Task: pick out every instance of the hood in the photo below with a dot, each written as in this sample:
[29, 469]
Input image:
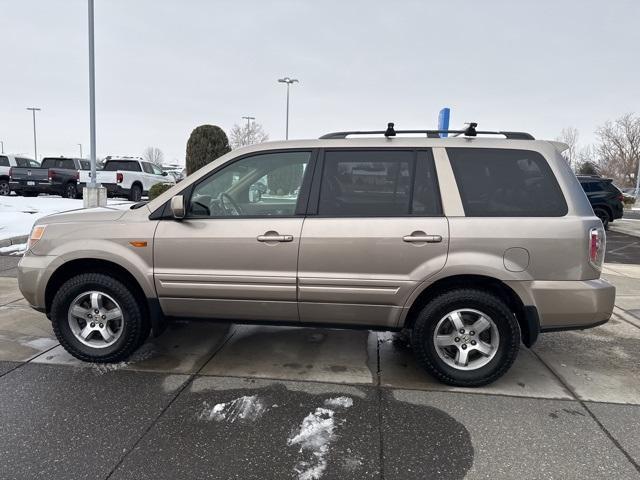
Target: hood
[100, 214]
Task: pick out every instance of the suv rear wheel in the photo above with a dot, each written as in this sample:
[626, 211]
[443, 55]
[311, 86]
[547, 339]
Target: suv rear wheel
[97, 319]
[603, 215]
[466, 337]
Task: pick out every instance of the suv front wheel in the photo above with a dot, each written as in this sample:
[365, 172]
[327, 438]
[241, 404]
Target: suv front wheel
[97, 319]
[466, 337]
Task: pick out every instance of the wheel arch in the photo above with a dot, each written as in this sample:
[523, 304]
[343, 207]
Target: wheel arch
[527, 318]
[151, 308]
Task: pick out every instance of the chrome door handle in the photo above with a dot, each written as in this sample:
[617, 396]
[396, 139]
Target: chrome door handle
[422, 238]
[275, 238]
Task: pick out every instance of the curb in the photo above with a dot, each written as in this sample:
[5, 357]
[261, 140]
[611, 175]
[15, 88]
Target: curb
[7, 242]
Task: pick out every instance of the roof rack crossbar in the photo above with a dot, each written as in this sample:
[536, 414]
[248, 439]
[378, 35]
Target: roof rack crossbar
[429, 133]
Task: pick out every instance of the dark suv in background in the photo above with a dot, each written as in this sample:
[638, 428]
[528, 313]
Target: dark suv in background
[605, 198]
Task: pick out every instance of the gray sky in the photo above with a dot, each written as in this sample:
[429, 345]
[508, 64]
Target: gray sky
[164, 67]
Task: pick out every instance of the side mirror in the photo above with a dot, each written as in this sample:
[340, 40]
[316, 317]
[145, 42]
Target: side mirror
[177, 207]
[164, 174]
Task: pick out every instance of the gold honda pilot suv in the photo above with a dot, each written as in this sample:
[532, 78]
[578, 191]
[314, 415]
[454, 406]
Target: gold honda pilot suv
[474, 243]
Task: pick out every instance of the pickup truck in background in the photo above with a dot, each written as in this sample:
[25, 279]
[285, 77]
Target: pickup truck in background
[6, 163]
[129, 177]
[55, 175]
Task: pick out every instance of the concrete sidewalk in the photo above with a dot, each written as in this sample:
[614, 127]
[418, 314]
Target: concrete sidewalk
[574, 398]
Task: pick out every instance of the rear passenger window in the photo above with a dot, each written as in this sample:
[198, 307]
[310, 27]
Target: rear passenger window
[4, 161]
[378, 183]
[506, 183]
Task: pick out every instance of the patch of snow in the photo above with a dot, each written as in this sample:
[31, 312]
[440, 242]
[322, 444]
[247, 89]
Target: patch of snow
[16, 249]
[42, 343]
[314, 437]
[248, 408]
[18, 214]
[344, 402]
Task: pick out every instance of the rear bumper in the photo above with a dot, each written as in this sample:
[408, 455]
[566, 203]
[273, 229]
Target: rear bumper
[115, 190]
[38, 186]
[569, 305]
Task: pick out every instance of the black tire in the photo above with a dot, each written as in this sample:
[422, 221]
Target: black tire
[423, 344]
[135, 326]
[5, 189]
[135, 193]
[604, 217]
[70, 191]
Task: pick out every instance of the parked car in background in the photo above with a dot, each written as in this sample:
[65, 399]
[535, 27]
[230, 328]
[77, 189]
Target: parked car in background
[174, 170]
[475, 245]
[6, 163]
[605, 198]
[630, 194]
[55, 175]
[131, 177]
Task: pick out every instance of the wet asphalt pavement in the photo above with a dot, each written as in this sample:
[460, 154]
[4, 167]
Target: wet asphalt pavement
[61, 422]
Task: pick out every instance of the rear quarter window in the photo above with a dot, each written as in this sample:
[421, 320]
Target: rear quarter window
[506, 183]
[4, 161]
[123, 165]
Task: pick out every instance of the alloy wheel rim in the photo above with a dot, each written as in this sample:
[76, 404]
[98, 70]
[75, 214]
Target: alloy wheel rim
[4, 188]
[466, 339]
[95, 319]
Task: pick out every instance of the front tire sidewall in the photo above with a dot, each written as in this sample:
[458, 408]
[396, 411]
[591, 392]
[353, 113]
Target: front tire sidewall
[131, 311]
[4, 188]
[508, 329]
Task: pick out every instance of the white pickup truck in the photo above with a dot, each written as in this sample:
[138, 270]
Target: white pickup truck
[6, 163]
[129, 177]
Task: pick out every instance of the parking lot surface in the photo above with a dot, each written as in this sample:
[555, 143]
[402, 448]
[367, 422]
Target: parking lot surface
[226, 401]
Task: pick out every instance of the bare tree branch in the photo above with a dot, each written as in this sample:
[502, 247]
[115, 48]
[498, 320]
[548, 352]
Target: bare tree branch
[153, 155]
[249, 134]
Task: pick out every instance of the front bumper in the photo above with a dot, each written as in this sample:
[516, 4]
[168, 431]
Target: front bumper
[568, 305]
[33, 275]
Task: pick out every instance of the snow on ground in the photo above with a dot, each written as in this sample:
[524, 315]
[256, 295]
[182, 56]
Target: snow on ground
[248, 408]
[315, 436]
[18, 214]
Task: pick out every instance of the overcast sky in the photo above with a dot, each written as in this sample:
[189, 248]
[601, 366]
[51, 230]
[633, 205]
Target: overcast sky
[165, 66]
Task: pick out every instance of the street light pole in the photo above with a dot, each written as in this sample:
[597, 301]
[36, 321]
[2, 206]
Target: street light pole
[2, 143]
[248, 119]
[80, 145]
[92, 102]
[35, 140]
[288, 81]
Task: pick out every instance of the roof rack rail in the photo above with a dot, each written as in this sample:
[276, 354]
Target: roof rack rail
[470, 131]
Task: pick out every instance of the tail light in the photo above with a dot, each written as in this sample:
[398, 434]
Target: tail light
[77, 175]
[621, 197]
[597, 245]
[51, 175]
[119, 177]
[10, 173]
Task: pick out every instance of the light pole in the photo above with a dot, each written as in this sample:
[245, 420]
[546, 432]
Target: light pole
[35, 141]
[2, 143]
[96, 195]
[80, 145]
[288, 81]
[248, 119]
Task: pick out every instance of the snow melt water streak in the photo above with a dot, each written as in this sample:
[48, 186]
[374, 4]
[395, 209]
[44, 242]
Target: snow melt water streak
[248, 408]
[315, 435]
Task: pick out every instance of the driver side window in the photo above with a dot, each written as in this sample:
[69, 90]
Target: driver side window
[261, 185]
